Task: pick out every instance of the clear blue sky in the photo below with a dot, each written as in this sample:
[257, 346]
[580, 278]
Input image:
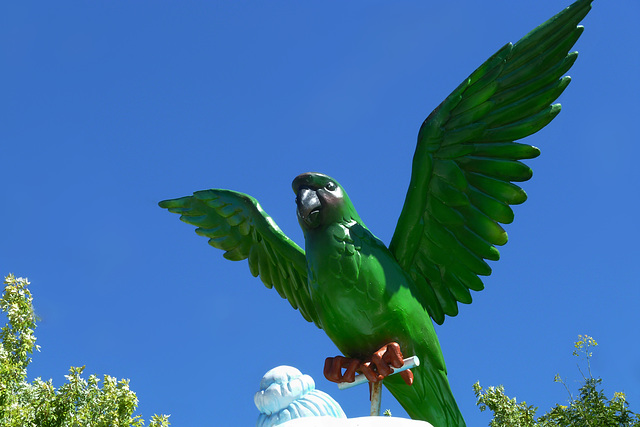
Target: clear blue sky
[110, 106]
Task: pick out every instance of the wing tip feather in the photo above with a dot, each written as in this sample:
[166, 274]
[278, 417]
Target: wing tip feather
[174, 203]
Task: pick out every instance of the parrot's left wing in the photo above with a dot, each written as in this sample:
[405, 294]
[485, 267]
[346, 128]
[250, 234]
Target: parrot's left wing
[466, 160]
[235, 223]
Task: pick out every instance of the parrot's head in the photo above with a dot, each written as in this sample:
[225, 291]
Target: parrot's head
[321, 201]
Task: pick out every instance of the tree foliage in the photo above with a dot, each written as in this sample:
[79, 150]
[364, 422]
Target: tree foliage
[79, 402]
[590, 408]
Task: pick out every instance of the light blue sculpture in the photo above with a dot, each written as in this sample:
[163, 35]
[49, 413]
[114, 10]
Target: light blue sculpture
[286, 394]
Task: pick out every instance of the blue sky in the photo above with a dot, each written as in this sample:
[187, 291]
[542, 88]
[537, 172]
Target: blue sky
[109, 107]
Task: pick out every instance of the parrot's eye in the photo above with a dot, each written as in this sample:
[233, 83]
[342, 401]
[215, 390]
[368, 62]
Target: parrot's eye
[331, 186]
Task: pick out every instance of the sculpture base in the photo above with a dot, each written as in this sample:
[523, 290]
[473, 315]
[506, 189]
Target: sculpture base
[355, 422]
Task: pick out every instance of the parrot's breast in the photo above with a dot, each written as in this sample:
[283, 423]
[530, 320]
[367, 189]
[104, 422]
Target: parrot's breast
[361, 294]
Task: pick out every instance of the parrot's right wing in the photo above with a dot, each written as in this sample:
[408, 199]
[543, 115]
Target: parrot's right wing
[235, 223]
[467, 160]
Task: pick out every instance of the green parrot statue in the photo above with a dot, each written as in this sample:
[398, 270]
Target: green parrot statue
[367, 296]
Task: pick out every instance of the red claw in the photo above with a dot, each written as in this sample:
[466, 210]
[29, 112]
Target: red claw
[333, 369]
[378, 368]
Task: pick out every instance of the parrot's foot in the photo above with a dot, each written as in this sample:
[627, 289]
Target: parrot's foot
[333, 369]
[375, 369]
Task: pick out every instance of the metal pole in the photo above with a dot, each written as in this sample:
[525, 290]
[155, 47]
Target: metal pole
[376, 398]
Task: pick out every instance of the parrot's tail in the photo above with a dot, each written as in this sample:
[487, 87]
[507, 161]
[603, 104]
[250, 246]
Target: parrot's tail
[429, 398]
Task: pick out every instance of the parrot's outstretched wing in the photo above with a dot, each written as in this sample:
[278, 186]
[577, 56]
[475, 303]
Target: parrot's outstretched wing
[235, 223]
[465, 162]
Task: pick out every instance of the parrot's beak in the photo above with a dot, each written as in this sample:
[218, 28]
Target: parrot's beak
[308, 207]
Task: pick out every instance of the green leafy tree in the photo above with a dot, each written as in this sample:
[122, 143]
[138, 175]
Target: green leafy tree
[79, 402]
[590, 408]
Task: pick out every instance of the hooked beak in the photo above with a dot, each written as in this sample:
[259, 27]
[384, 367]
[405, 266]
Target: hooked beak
[308, 207]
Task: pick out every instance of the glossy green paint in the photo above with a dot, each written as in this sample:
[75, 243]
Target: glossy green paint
[364, 299]
[365, 295]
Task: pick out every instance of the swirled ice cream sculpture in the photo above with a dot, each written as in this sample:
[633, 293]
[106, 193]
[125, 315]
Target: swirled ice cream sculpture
[286, 394]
